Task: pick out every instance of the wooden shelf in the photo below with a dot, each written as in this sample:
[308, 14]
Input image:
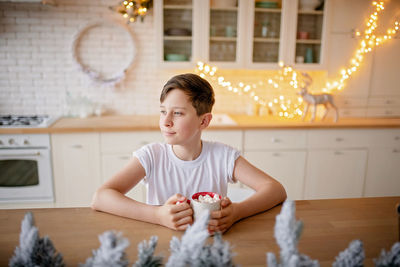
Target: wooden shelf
[268, 10]
[311, 12]
[222, 39]
[184, 7]
[266, 40]
[177, 38]
[308, 41]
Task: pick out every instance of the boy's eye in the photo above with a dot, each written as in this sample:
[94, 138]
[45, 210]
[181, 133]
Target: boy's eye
[163, 112]
[178, 113]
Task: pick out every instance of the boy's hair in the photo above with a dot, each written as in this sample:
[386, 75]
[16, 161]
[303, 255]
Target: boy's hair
[199, 91]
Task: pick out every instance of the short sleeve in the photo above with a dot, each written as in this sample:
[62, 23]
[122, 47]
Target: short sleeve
[233, 155]
[146, 158]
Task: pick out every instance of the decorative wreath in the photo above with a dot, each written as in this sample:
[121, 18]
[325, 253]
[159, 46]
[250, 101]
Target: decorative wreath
[95, 76]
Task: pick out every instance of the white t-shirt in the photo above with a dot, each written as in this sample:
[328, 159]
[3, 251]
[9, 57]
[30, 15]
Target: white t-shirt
[167, 175]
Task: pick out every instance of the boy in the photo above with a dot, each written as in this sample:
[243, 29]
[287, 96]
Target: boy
[184, 165]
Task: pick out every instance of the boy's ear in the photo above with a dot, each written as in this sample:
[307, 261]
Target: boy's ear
[206, 120]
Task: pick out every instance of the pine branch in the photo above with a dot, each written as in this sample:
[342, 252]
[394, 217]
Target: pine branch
[353, 256]
[110, 253]
[33, 250]
[287, 234]
[390, 258]
[187, 251]
[146, 256]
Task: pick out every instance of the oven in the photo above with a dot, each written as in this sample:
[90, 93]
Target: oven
[25, 165]
[25, 168]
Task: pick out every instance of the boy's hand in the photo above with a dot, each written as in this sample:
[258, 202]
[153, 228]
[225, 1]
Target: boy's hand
[177, 216]
[222, 220]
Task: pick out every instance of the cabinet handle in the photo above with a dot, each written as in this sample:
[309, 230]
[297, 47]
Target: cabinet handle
[397, 138]
[396, 150]
[276, 154]
[388, 102]
[339, 139]
[338, 153]
[76, 146]
[275, 140]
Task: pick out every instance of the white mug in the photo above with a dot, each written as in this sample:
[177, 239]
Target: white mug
[200, 207]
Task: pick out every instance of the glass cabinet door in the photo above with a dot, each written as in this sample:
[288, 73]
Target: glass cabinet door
[310, 20]
[223, 30]
[178, 29]
[266, 33]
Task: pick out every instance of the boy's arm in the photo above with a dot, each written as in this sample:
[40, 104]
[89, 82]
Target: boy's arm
[268, 193]
[110, 197]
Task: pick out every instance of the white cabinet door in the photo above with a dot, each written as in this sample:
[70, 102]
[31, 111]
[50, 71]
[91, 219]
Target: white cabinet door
[76, 167]
[285, 166]
[335, 173]
[232, 138]
[383, 174]
[113, 164]
[385, 76]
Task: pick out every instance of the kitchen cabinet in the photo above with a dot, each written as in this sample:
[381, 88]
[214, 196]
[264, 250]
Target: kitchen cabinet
[177, 32]
[335, 173]
[116, 152]
[281, 154]
[382, 178]
[76, 168]
[336, 163]
[237, 34]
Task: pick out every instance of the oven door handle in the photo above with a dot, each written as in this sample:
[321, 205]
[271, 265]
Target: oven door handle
[21, 155]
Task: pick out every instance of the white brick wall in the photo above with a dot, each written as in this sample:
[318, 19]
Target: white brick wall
[37, 70]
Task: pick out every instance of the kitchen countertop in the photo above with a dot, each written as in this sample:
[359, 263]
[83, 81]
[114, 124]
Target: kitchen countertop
[119, 123]
[329, 227]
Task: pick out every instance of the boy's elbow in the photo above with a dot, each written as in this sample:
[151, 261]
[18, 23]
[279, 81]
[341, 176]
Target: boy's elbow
[95, 200]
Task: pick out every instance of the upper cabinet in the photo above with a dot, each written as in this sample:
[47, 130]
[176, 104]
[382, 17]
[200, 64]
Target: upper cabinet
[241, 33]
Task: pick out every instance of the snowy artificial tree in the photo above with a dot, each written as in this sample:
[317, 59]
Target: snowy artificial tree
[287, 234]
[111, 251]
[146, 256]
[353, 256]
[33, 250]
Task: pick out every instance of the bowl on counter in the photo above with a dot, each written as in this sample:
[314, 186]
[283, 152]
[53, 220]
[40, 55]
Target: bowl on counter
[176, 57]
[178, 32]
[267, 4]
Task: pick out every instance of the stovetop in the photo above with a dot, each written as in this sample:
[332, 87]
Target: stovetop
[26, 121]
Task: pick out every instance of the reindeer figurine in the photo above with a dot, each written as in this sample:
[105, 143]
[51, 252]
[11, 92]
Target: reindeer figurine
[317, 99]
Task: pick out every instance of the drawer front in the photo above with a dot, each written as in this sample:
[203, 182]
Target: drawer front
[384, 101]
[274, 139]
[352, 112]
[383, 112]
[127, 142]
[337, 138]
[385, 138]
[351, 102]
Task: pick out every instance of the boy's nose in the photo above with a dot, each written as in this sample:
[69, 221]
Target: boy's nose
[168, 121]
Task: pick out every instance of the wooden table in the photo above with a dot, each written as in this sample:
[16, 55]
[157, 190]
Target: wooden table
[329, 226]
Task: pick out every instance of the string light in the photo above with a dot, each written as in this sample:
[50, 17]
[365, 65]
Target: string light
[288, 77]
[132, 9]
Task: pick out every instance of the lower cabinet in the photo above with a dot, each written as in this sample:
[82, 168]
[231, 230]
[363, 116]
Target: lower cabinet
[383, 174]
[76, 168]
[335, 173]
[311, 164]
[285, 166]
[111, 164]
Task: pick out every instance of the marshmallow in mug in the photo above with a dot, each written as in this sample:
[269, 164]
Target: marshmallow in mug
[203, 201]
[208, 199]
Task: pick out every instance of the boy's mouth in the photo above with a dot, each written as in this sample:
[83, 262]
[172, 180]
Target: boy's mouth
[169, 133]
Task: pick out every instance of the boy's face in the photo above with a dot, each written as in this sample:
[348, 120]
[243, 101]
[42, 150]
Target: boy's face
[179, 122]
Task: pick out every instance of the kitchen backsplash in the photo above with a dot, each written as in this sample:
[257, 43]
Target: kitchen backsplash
[38, 74]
